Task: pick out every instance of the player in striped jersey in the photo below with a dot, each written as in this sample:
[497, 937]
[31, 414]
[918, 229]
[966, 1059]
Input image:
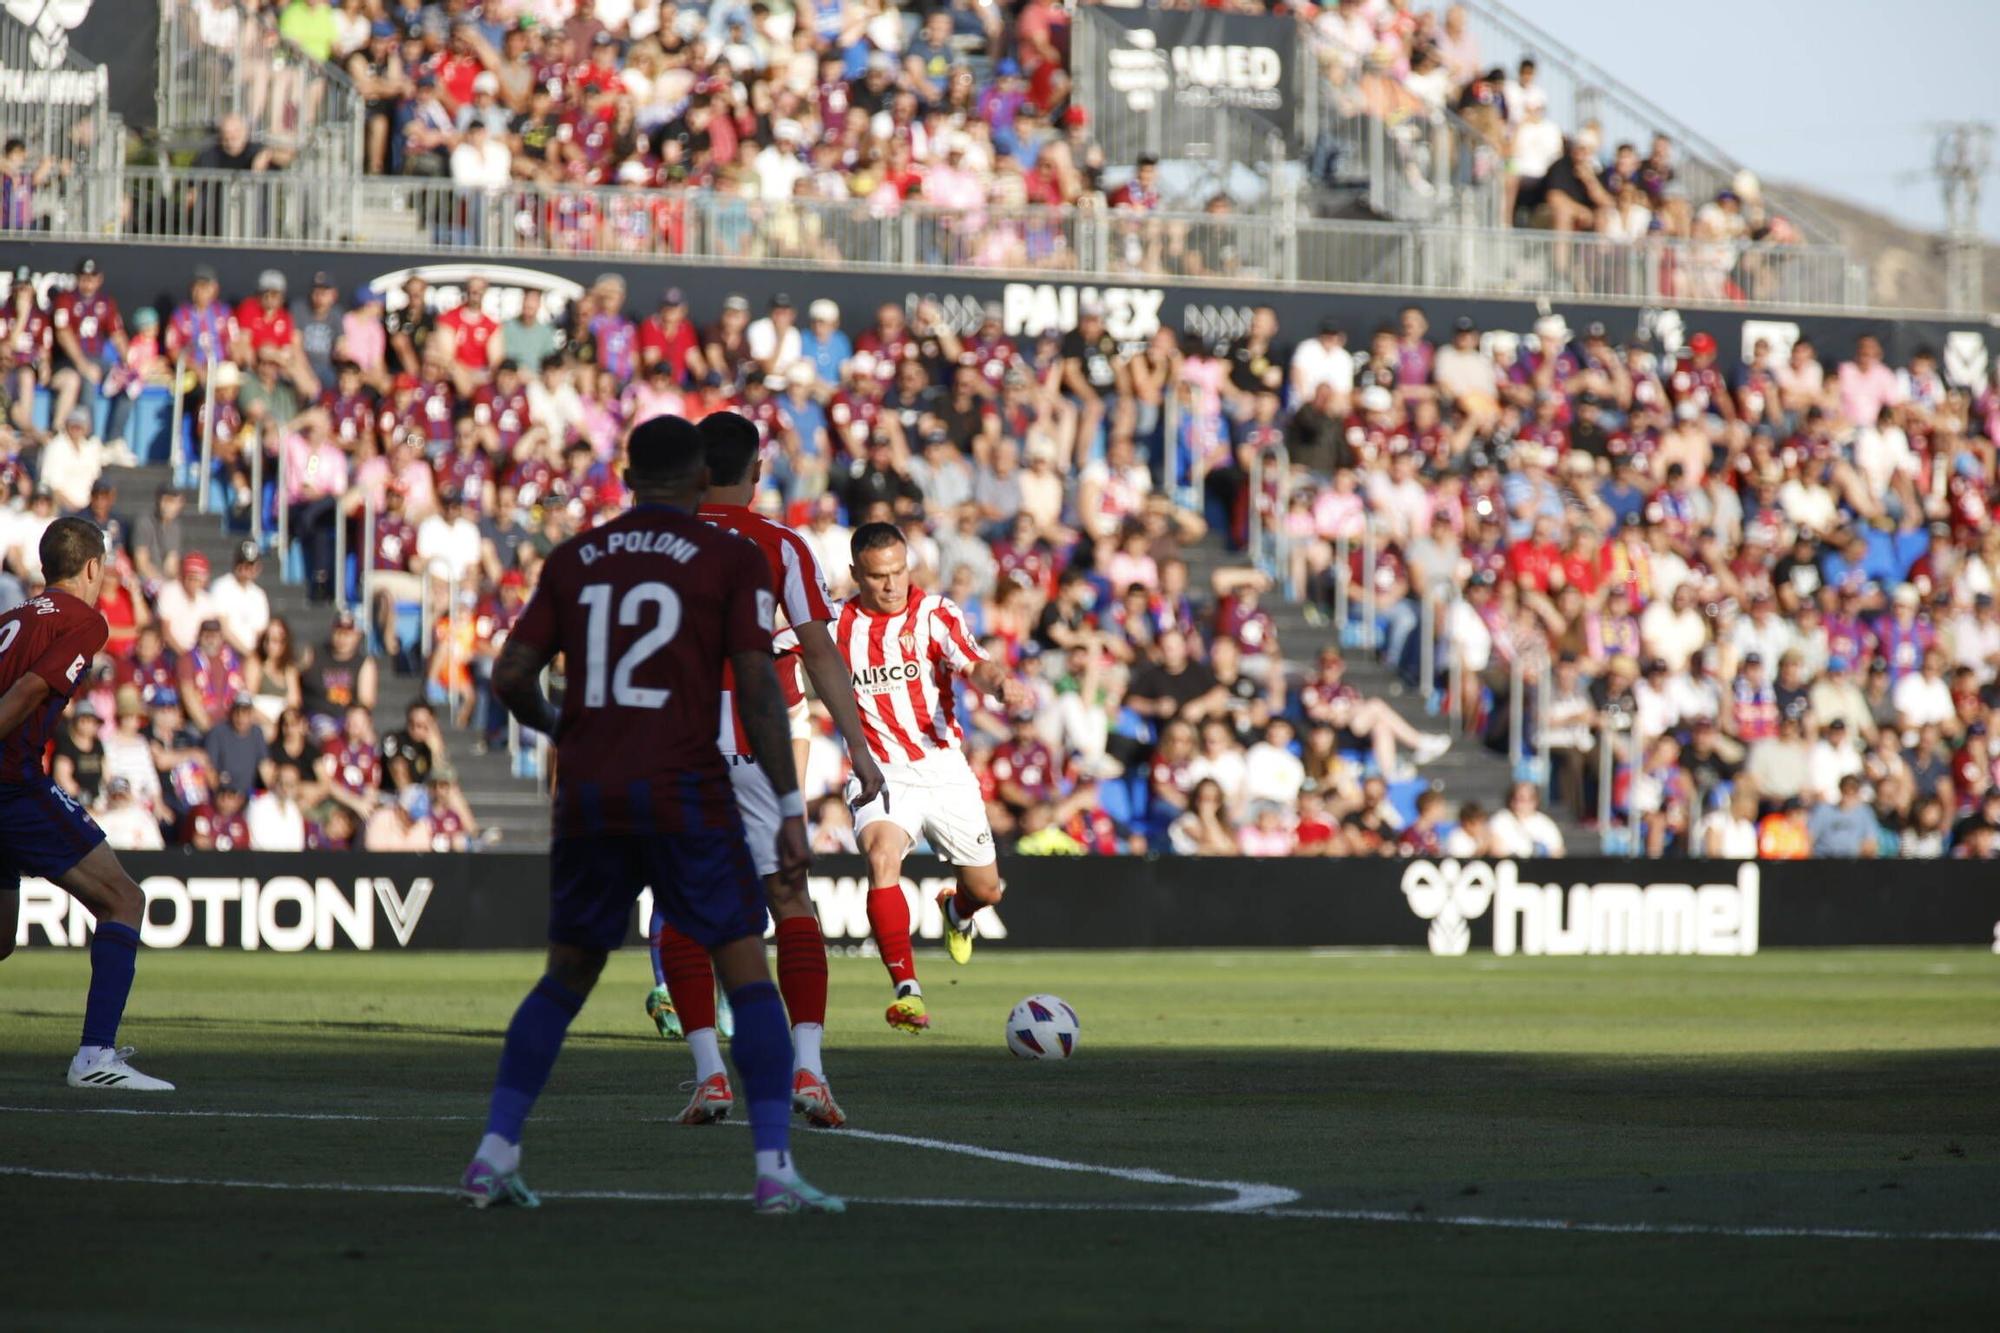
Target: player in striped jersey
[732, 445]
[905, 649]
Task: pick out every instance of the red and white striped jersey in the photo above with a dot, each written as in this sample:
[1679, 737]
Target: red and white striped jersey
[902, 666]
[800, 588]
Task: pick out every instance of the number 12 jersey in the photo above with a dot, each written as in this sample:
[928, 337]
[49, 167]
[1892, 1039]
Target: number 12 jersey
[646, 611]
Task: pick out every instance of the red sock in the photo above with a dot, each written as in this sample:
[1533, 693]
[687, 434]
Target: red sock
[802, 969]
[690, 979]
[889, 919]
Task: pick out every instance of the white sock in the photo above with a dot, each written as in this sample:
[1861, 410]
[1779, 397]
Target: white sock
[88, 1054]
[707, 1054]
[960, 923]
[905, 989]
[777, 1164]
[499, 1154]
[805, 1048]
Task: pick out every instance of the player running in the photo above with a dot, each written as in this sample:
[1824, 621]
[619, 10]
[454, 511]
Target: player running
[646, 611]
[903, 647]
[46, 645]
[796, 582]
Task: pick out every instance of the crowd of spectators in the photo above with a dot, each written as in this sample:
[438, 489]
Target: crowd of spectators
[1774, 573]
[1407, 67]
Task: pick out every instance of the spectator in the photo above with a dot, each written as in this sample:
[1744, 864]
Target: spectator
[1844, 827]
[1782, 835]
[236, 747]
[1206, 828]
[400, 825]
[239, 603]
[277, 821]
[157, 541]
[271, 674]
[72, 460]
[1729, 831]
[78, 762]
[1522, 829]
[233, 149]
[223, 824]
[184, 604]
[340, 675]
[211, 676]
[127, 825]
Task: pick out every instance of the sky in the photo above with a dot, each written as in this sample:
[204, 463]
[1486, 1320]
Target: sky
[1837, 94]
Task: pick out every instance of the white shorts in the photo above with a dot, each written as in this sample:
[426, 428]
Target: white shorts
[758, 805]
[936, 799]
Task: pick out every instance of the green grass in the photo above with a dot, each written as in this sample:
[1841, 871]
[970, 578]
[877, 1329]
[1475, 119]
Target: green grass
[1793, 1090]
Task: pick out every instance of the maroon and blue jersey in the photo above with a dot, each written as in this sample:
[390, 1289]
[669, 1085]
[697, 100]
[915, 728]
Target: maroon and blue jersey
[467, 474]
[507, 413]
[53, 636]
[646, 611]
[24, 335]
[93, 319]
[351, 413]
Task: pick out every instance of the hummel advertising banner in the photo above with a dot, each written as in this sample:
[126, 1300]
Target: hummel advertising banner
[294, 903]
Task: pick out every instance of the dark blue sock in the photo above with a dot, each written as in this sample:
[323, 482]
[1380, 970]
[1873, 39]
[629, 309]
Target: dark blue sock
[533, 1040]
[762, 1050]
[653, 946]
[114, 952]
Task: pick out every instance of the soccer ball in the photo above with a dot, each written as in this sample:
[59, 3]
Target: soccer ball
[1042, 1027]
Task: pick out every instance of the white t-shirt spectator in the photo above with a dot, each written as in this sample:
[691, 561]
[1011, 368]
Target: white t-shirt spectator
[242, 608]
[1537, 145]
[129, 828]
[766, 344]
[181, 615]
[1532, 835]
[454, 544]
[1229, 771]
[1738, 836]
[1272, 773]
[1315, 363]
[1673, 636]
[477, 167]
[1469, 637]
[276, 825]
[71, 467]
[1919, 701]
[1830, 763]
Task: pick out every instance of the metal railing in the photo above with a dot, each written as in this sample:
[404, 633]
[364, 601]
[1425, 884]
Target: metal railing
[1274, 556]
[59, 105]
[401, 214]
[224, 62]
[1417, 163]
[1580, 92]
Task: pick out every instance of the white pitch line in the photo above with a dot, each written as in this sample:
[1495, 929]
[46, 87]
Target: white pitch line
[223, 1115]
[1249, 1197]
[1357, 1215]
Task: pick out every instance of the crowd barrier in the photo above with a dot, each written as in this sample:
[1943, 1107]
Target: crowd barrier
[294, 903]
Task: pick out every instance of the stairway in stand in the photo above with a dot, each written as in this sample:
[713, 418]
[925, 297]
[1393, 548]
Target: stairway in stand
[1468, 771]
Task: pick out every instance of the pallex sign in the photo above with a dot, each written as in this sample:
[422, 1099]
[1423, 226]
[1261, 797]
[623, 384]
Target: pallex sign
[1605, 917]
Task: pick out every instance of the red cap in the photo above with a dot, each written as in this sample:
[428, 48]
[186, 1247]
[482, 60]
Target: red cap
[195, 561]
[1076, 115]
[1702, 344]
[513, 578]
[408, 381]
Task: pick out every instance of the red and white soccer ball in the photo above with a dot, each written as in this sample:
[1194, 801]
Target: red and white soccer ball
[1042, 1027]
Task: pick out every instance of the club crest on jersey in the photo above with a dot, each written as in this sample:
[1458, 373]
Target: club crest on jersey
[908, 643]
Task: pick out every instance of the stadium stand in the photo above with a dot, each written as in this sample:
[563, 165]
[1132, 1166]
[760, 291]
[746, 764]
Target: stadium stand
[1291, 560]
[1691, 596]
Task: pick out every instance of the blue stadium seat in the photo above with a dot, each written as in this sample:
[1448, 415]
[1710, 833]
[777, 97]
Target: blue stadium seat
[1403, 797]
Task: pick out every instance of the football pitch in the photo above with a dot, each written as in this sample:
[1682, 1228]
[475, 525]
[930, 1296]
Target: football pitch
[1269, 1140]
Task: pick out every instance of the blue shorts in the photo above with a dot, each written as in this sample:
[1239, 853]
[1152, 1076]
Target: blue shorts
[43, 832]
[703, 882]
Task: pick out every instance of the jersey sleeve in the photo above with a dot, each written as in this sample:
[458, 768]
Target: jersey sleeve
[952, 637]
[749, 611]
[806, 595]
[536, 626]
[68, 655]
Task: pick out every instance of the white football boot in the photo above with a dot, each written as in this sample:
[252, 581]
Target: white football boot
[104, 1067]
